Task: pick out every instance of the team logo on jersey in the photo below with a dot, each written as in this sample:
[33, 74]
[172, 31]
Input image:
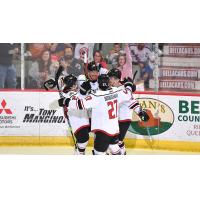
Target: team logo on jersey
[161, 118]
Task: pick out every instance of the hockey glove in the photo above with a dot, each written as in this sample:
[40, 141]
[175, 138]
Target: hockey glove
[64, 102]
[49, 84]
[143, 115]
[128, 83]
[85, 87]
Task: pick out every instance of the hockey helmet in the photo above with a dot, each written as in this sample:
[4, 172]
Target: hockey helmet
[114, 72]
[103, 81]
[92, 66]
[69, 81]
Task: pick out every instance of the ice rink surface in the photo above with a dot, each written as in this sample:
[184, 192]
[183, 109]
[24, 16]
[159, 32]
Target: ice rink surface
[66, 150]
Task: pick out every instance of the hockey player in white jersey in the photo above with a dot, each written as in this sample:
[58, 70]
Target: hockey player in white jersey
[125, 109]
[78, 118]
[92, 73]
[91, 84]
[104, 103]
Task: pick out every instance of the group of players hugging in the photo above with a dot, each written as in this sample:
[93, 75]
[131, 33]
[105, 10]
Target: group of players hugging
[101, 103]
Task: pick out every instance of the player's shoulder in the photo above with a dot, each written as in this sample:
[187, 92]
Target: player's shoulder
[103, 70]
[70, 94]
[100, 93]
[121, 87]
[81, 77]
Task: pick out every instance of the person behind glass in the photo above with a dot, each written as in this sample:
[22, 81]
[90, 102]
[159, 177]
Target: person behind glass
[113, 54]
[146, 74]
[7, 69]
[58, 49]
[35, 50]
[142, 58]
[71, 65]
[98, 58]
[84, 48]
[124, 63]
[42, 70]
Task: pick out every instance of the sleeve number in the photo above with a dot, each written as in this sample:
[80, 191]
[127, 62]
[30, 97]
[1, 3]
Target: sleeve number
[112, 112]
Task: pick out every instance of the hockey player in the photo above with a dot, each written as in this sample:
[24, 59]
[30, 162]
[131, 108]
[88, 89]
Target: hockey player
[85, 86]
[87, 82]
[78, 118]
[125, 109]
[104, 103]
[93, 72]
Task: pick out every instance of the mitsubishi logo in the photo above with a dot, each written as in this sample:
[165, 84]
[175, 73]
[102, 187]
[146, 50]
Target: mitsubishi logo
[7, 110]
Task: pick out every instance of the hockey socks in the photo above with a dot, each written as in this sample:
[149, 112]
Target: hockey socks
[81, 148]
[122, 147]
[95, 152]
[114, 149]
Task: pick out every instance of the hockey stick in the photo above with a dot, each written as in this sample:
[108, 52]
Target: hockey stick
[85, 61]
[58, 73]
[134, 75]
[60, 69]
[150, 138]
[147, 128]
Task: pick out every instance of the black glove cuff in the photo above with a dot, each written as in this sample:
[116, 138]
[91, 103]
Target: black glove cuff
[143, 116]
[66, 102]
[83, 91]
[128, 85]
[60, 102]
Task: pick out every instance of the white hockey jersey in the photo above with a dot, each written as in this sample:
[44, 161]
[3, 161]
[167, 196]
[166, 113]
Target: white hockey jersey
[78, 118]
[125, 113]
[95, 85]
[105, 109]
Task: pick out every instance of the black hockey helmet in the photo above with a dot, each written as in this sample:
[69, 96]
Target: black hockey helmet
[103, 81]
[114, 72]
[92, 66]
[69, 81]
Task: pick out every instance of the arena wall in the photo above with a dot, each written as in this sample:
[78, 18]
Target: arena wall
[33, 118]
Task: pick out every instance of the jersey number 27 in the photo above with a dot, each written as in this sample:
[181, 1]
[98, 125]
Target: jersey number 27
[112, 112]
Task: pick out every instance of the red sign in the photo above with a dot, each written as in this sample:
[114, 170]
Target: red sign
[179, 84]
[182, 50]
[180, 73]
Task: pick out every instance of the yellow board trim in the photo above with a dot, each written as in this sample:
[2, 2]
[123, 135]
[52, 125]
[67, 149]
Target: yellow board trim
[130, 143]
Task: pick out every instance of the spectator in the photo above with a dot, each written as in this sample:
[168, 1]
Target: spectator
[146, 74]
[35, 50]
[98, 58]
[142, 57]
[7, 69]
[84, 48]
[124, 63]
[114, 54]
[71, 65]
[42, 70]
[58, 49]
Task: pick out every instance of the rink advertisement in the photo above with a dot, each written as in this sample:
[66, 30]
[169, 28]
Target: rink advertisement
[183, 85]
[172, 117]
[182, 50]
[182, 73]
[28, 114]
[174, 120]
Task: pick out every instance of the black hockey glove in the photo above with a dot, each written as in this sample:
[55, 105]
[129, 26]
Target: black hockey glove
[49, 84]
[143, 115]
[63, 102]
[85, 87]
[128, 83]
